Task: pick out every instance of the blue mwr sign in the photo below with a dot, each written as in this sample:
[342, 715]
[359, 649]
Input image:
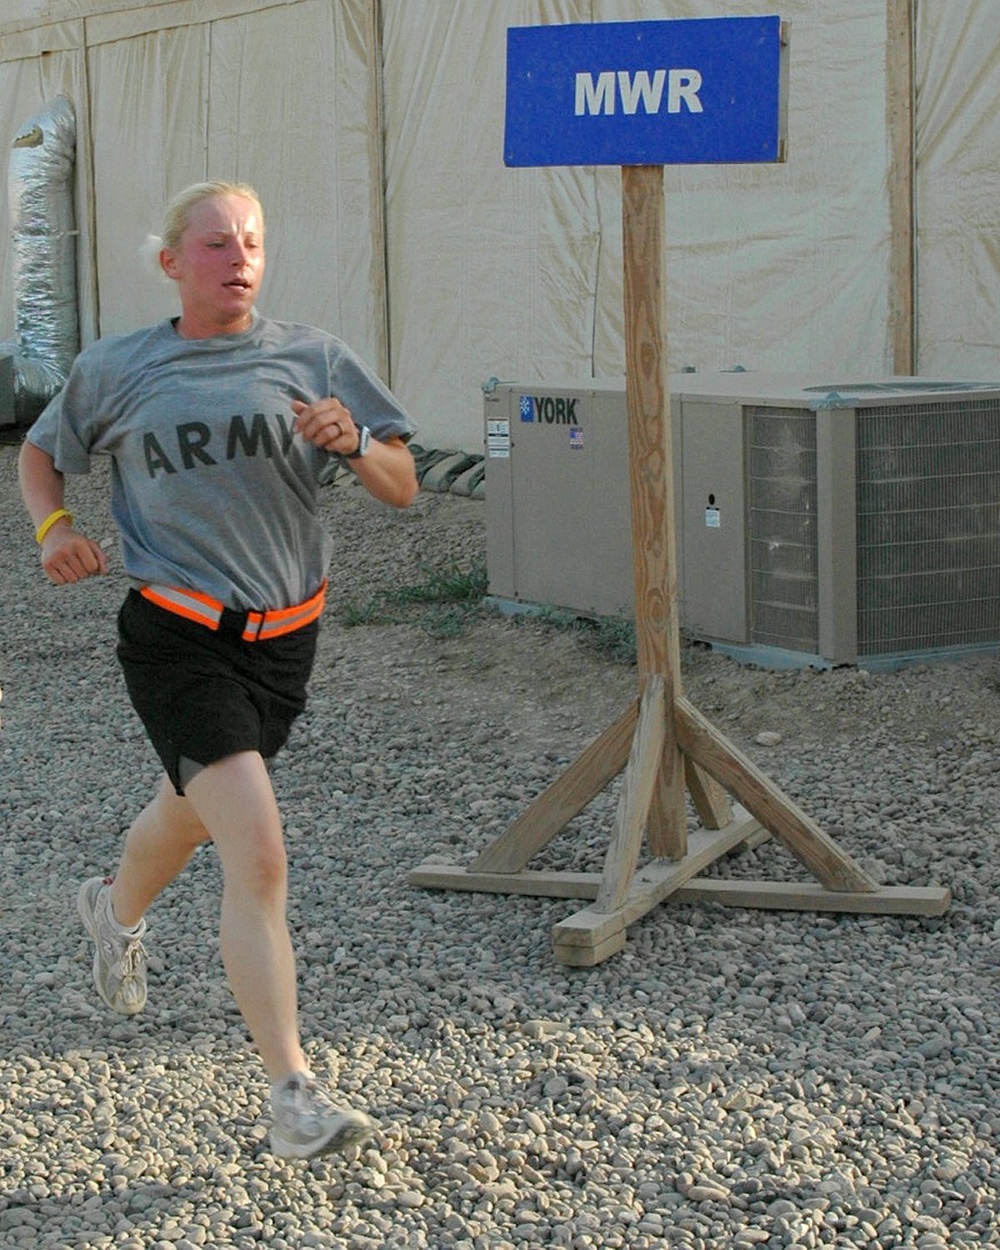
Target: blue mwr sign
[698, 91]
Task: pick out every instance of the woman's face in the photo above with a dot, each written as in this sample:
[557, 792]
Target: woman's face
[218, 266]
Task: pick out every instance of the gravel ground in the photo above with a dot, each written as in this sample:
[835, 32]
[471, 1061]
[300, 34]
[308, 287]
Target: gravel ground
[733, 1078]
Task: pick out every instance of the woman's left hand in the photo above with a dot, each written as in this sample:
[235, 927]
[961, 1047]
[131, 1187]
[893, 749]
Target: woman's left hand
[386, 470]
[328, 424]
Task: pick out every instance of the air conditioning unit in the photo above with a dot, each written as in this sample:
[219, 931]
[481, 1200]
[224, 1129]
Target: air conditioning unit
[816, 521]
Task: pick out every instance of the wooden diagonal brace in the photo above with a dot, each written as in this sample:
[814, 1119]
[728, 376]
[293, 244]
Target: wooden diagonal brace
[644, 765]
[700, 740]
[565, 798]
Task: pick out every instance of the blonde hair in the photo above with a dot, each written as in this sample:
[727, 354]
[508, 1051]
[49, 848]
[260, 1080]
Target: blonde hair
[178, 212]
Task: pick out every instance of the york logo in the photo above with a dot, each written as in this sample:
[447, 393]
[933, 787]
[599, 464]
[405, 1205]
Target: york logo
[549, 409]
[600, 95]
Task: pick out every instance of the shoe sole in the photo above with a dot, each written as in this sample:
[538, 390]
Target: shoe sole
[352, 1133]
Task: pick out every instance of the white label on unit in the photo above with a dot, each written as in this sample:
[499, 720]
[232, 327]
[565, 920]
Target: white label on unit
[713, 520]
[498, 439]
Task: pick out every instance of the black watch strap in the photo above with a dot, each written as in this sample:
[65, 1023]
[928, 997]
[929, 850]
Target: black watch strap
[364, 438]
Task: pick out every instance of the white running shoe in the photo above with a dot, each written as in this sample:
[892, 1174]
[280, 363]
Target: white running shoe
[305, 1122]
[119, 958]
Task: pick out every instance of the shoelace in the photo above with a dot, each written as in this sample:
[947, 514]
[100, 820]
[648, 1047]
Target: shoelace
[129, 955]
[131, 958]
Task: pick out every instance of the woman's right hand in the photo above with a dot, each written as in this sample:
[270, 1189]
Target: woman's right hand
[69, 556]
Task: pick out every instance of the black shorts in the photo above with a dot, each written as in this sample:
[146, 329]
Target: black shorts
[204, 694]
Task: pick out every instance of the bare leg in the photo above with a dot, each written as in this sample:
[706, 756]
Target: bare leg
[159, 844]
[234, 801]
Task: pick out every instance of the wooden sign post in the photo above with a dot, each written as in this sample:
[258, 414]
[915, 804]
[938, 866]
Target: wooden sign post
[702, 90]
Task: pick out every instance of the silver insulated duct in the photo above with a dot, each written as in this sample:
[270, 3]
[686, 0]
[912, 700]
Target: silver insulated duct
[35, 364]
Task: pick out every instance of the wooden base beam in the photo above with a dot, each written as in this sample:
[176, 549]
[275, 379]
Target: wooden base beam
[887, 900]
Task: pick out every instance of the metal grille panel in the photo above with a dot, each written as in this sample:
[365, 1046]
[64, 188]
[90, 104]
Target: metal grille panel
[928, 517]
[783, 544]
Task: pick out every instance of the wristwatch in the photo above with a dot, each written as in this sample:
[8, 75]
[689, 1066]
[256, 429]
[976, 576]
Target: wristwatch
[364, 439]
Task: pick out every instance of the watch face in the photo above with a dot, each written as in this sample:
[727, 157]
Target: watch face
[364, 438]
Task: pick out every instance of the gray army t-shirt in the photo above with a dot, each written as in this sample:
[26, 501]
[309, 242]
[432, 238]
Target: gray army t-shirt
[211, 489]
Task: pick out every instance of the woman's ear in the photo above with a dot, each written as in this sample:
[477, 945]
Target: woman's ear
[168, 262]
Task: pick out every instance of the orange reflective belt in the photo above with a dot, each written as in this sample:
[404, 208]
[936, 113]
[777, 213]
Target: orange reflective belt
[257, 627]
[263, 625]
[190, 604]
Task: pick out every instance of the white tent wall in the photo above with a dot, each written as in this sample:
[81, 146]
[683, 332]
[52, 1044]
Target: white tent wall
[490, 270]
[277, 97]
[148, 104]
[516, 273]
[958, 188]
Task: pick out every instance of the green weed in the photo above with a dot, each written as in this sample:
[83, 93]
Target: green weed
[451, 595]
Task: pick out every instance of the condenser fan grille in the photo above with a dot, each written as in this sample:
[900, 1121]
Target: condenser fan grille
[928, 526]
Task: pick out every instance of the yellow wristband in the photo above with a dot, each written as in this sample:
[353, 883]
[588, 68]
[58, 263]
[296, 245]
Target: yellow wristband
[49, 521]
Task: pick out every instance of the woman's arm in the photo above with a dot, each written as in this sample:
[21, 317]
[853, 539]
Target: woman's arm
[67, 555]
[387, 471]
